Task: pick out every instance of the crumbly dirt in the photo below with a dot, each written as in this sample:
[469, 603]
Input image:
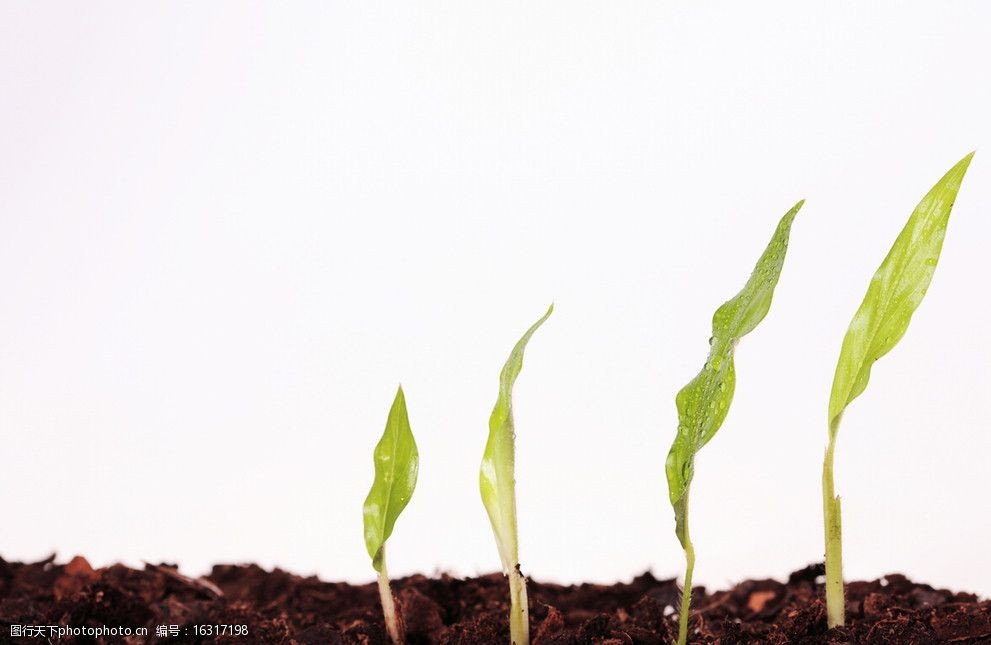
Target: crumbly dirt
[278, 607]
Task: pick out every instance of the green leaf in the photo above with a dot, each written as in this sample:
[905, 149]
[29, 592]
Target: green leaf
[497, 479]
[396, 465]
[895, 292]
[704, 402]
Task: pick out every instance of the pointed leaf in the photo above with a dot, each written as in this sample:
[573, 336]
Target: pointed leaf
[396, 465]
[704, 402]
[895, 291]
[497, 479]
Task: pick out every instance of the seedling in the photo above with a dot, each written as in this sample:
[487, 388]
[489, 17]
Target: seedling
[497, 481]
[396, 465]
[704, 402]
[895, 291]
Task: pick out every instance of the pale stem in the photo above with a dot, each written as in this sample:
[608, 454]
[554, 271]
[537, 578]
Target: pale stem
[389, 604]
[519, 611]
[833, 524]
[686, 589]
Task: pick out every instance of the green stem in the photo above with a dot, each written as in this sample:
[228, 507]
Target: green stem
[686, 595]
[389, 604]
[519, 611]
[686, 589]
[833, 524]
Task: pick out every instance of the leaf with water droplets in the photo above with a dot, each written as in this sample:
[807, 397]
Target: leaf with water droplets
[704, 402]
[396, 464]
[895, 291]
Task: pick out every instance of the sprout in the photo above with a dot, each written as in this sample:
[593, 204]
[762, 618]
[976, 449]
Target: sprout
[396, 464]
[894, 293]
[703, 403]
[497, 481]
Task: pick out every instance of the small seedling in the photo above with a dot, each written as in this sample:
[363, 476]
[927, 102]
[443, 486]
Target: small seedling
[396, 465]
[895, 291]
[704, 402]
[497, 481]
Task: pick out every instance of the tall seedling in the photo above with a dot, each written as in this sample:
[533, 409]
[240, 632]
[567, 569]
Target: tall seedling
[396, 465]
[894, 293]
[497, 481]
[704, 402]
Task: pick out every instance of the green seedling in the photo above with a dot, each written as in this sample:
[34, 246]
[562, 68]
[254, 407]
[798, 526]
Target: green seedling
[895, 291]
[704, 402]
[497, 481]
[396, 465]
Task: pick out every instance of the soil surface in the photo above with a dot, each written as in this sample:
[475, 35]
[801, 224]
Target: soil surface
[278, 607]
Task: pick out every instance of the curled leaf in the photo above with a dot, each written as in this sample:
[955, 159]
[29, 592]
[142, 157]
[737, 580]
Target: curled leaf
[704, 402]
[497, 480]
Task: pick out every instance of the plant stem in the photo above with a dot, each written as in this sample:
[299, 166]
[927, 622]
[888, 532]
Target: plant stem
[832, 521]
[389, 604]
[519, 611]
[686, 595]
[686, 589]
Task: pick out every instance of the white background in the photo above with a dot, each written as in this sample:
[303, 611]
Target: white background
[228, 230]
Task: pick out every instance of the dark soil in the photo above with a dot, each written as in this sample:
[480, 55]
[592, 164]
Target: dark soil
[278, 607]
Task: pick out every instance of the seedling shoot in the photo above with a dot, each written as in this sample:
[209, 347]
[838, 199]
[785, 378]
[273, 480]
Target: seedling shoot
[703, 403]
[396, 465]
[497, 482]
[895, 291]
